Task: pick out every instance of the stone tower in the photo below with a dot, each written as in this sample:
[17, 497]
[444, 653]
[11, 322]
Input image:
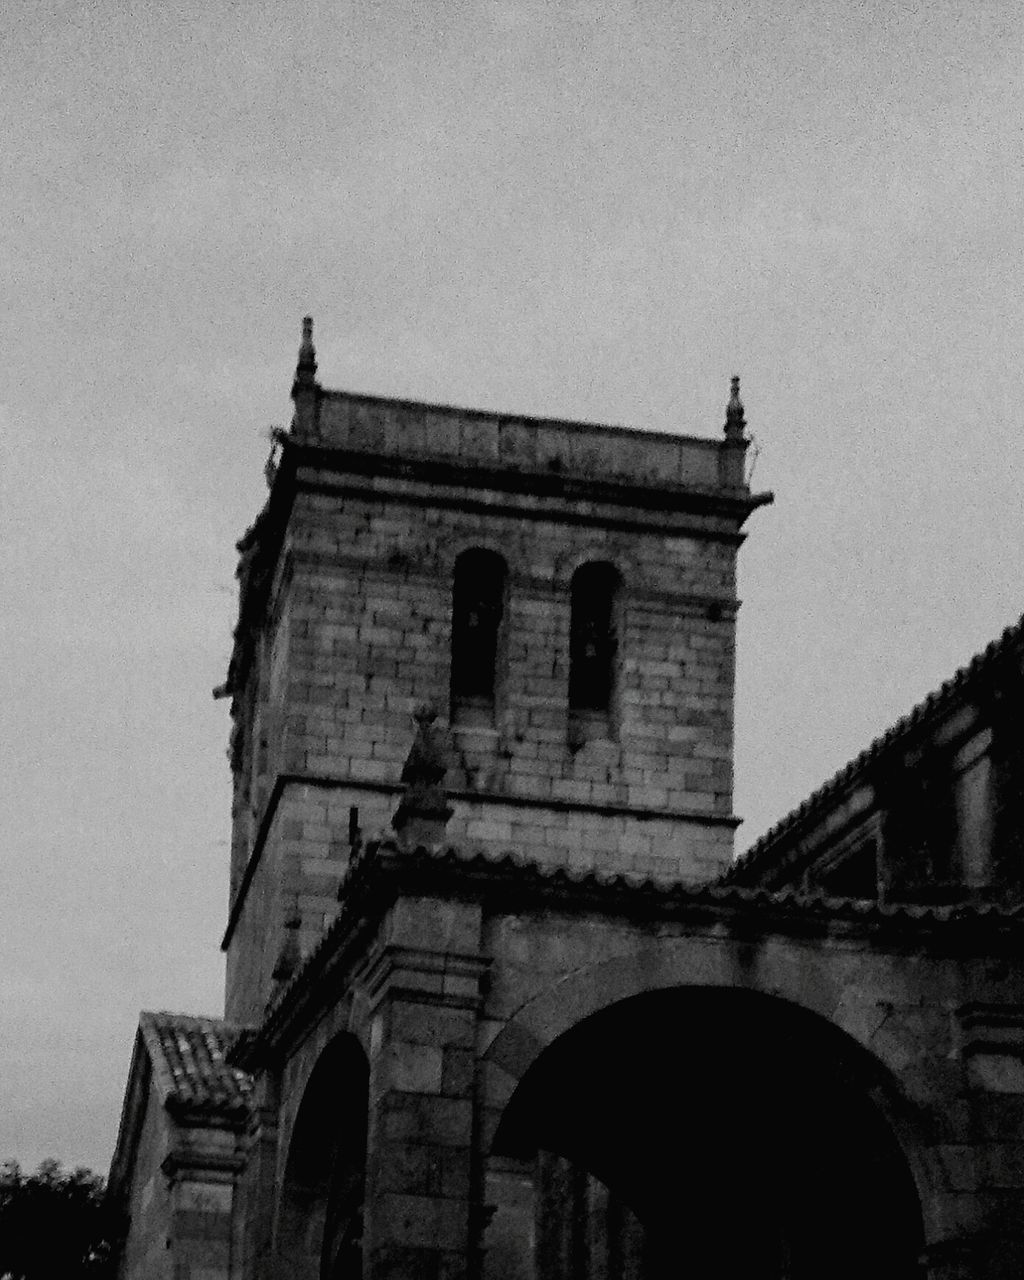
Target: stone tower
[555, 599]
[493, 1014]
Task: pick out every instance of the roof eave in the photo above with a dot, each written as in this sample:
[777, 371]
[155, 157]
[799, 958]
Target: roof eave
[133, 1115]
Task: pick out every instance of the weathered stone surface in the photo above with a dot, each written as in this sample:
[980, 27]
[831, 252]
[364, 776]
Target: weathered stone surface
[537, 1036]
[346, 627]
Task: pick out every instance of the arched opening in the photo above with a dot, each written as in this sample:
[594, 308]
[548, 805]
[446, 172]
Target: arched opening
[593, 653]
[705, 1134]
[478, 608]
[319, 1225]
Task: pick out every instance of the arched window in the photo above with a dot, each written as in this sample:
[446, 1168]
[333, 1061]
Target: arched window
[478, 606]
[593, 652]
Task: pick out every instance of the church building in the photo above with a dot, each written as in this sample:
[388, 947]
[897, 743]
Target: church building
[500, 1005]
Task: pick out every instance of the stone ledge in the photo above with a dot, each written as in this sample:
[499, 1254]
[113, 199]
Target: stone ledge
[641, 814]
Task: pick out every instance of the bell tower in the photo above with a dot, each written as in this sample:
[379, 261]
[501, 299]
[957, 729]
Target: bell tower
[551, 603]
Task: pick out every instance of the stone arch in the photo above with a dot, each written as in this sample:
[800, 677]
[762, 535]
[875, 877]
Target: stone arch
[802, 976]
[681, 1112]
[790, 975]
[318, 1223]
[629, 569]
[451, 551]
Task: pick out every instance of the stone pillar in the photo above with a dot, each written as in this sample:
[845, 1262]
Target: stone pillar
[984, 1228]
[423, 1213]
[257, 1192]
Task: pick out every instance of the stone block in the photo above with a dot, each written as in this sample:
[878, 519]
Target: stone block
[457, 1072]
[412, 1169]
[430, 1024]
[1002, 1166]
[412, 1068]
[960, 1167]
[996, 1072]
[421, 1119]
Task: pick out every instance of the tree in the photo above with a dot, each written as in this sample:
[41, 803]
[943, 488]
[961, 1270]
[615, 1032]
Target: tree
[55, 1224]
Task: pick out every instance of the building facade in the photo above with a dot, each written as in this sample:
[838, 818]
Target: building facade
[498, 1002]
[932, 812]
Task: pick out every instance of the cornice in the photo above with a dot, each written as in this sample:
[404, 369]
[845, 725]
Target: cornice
[283, 780]
[383, 872]
[423, 477]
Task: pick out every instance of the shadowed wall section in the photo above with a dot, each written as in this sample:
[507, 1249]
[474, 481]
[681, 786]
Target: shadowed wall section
[738, 1131]
[319, 1226]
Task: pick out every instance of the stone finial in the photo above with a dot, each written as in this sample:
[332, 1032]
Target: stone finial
[734, 420]
[307, 352]
[423, 812]
[427, 761]
[290, 956]
[304, 390]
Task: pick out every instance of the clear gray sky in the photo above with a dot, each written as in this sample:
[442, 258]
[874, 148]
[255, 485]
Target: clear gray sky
[596, 210]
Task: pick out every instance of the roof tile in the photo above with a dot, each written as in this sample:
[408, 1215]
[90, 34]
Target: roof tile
[189, 1061]
[936, 703]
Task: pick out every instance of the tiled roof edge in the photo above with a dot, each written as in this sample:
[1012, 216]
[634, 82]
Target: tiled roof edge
[162, 1074]
[936, 703]
[799, 905]
[713, 893]
[190, 1100]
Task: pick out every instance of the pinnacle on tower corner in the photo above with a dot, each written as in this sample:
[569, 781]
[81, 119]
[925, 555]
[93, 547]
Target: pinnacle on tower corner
[734, 420]
[307, 352]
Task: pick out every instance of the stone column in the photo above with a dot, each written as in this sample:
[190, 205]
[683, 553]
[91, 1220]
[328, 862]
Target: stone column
[257, 1192]
[423, 1211]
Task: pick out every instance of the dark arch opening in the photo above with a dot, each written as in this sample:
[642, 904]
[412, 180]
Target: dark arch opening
[319, 1226]
[712, 1134]
[478, 609]
[593, 652]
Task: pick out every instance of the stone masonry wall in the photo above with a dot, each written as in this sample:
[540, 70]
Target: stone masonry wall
[202, 1223]
[300, 864]
[360, 634]
[370, 635]
[946, 1025]
[457, 1004]
[388, 427]
[146, 1255]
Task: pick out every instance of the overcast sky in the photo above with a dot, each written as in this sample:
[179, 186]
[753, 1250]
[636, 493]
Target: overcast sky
[594, 210]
